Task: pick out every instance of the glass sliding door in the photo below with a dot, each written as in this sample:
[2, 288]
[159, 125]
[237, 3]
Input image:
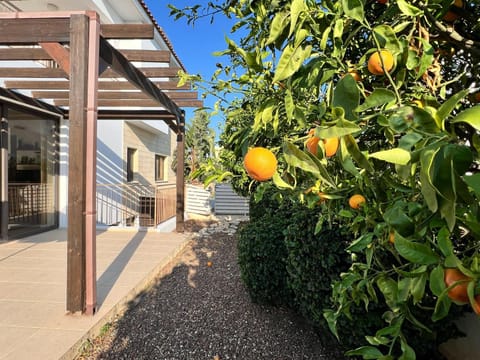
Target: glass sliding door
[32, 173]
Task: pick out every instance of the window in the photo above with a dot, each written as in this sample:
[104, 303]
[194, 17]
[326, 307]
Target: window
[131, 163]
[159, 167]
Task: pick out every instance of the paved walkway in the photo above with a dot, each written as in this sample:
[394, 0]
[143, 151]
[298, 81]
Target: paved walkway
[33, 321]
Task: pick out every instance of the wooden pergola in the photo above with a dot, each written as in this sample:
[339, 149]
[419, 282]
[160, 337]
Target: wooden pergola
[89, 80]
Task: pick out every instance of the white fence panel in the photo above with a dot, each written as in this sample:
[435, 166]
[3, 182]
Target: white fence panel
[227, 202]
[198, 200]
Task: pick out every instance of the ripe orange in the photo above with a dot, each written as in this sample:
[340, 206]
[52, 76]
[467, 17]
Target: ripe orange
[260, 163]
[209, 263]
[312, 145]
[451, 16]
[375, 64]
[459, 292]
[391, 237]
[331, 146]
[356, 201]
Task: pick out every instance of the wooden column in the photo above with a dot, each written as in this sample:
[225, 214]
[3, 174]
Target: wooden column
[181, 174]
[76, 243]
[4, 174]
[91, 166]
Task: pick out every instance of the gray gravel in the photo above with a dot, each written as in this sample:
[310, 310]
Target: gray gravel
[201, 310]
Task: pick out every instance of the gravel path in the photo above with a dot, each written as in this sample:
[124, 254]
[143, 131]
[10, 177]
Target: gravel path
[201, 310]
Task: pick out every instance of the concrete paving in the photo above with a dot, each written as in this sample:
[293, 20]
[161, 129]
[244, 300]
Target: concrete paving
[33, 320]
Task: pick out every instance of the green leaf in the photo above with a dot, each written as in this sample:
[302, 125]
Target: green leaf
[361, 243]
[474, 182]
[295, 9]
[447, 107]
[346, 96]
[387, 38]
[290, 61]
[444, 242]
[418, 288]
[407, 352]
[426, 58]
[355, 152]
[415, 252]
[396, 217]
[408, 9]
[367, 352]
[277, 26]
[341, 129]
[354, 9]
[442, 307]
[299, 159]
[377, 98]
[395, 156]
[329, 315]
[389, 289]
[279, 182]
[470, 116]
[289, 104]
[437, 283]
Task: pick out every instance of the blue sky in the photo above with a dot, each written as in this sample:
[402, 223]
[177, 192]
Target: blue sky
[194, 44]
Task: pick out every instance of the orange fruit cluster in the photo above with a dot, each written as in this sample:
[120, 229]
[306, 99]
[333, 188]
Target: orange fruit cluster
[260, 163]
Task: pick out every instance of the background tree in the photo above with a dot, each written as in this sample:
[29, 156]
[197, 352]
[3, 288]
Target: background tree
[408, 137]
[199, 143]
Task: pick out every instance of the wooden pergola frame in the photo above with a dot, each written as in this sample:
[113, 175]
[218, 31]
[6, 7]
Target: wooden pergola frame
[90, 80]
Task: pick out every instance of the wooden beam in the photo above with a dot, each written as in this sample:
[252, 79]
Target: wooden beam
[104, 95]
[29, 53]
[147, 55]
[76, 274]
[127, 31]
[32, 73]
[122, 66]
[137, 103]
[58, 53]
[160, 72]
[102, 85]
[180, 181]
[34, 30]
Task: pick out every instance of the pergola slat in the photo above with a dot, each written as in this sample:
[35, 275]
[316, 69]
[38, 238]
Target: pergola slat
[41, 72]
[29, 53]
[127, 31]
[15, 31]
[191, 95]
[136, 103]
[102, 85]
[121, 66]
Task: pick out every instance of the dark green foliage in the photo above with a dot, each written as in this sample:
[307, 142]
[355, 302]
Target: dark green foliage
[262, 255]
[283, 262]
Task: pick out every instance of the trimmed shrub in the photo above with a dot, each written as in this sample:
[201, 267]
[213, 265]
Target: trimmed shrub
[261, 257]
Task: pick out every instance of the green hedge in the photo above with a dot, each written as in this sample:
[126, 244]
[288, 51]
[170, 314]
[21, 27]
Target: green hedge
[262, 255]
[283, 262]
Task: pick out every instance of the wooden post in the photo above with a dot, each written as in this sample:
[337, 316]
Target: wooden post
[181, 174]
[91, 167]
[4, 174]
[76, 274]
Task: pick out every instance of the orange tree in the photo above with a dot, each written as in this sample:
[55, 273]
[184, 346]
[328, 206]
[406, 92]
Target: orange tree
[408, 139]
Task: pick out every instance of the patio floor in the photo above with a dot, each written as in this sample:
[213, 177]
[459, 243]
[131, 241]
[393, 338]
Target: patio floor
[33, 321]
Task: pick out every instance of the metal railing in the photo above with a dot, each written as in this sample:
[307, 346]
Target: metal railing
[134, 204]
[28, 203]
